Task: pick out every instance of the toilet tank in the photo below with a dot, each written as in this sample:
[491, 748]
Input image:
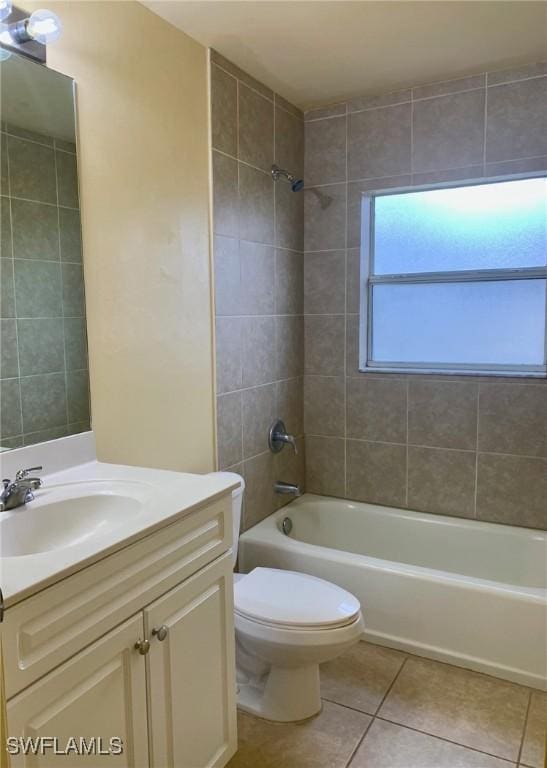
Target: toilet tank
[237, 503]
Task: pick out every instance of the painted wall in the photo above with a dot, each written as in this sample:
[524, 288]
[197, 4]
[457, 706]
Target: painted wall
[144, 169]
[465, 446]
[258, 243]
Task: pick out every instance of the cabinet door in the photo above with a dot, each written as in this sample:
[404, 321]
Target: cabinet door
[100, 692]
[192, 672]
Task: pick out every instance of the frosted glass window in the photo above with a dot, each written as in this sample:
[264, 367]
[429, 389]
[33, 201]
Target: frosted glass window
[485, 226]
[455, 278]
[491, 323]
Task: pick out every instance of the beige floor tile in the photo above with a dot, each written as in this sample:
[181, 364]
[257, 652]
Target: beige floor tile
[533, 749]
[361, 676]
[326, 741]
[466, 707]
[392, 746]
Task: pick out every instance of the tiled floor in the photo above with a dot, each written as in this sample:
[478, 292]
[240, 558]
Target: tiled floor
[385, 709]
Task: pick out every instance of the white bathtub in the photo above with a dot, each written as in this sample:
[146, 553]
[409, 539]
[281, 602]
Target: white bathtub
[466, 592]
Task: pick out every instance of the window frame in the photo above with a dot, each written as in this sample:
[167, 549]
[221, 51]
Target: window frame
[368, 280]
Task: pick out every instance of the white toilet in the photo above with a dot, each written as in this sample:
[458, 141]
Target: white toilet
[286, 624]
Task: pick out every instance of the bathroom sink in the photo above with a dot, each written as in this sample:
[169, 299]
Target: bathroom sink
[70, 514]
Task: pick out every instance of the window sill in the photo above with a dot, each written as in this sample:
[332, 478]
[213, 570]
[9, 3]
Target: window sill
[456, 372]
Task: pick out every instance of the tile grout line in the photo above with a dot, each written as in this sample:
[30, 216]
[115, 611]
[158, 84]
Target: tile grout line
[62, 280]
[443, 738]
[239, 80]
[273, 99]
[262, 384]
[346, 223]
[524, 727]
[386, 694]
[22, 435]
[52, 146]
[44, 373]
[253, 242]
[238, 159]
[357, 746]
[46, 261]
[373, 717]
[348, 706]
[240, 346]
[42, 202]
[426, 173]
[429, 447]
[477, 449]
[276, 334]
[326, 117]
[485, 127]
[8, 168]
[412, 135]
[414, 98]
[517, 80]
[39, 317]
[407, 439]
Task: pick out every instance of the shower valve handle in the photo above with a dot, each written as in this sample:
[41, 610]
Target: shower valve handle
[278, 437]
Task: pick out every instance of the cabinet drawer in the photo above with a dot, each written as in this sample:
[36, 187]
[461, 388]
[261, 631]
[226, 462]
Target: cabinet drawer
[46, 629]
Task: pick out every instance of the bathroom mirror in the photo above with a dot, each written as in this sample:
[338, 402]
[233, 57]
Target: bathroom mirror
[44, 382]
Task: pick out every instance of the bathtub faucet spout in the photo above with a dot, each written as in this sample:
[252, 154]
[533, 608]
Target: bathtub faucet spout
[287, 488]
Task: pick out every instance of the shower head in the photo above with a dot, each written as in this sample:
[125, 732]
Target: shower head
[280, 173]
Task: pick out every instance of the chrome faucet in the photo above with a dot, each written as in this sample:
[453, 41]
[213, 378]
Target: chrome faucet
[287, 488]
[19, 492]
[278, 437]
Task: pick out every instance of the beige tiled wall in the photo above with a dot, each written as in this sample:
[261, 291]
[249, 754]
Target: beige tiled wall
[258, 254]
[471, 447]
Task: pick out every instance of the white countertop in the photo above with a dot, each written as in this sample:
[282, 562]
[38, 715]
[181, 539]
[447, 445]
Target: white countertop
[164, 498]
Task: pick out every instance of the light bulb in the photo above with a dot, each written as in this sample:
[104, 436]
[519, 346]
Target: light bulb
[44, 26]
[5, 36]
[5, 9]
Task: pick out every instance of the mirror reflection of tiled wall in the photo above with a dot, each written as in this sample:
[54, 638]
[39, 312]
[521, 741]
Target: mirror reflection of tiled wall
[43, 365]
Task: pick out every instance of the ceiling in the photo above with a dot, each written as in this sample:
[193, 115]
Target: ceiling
[316, 53]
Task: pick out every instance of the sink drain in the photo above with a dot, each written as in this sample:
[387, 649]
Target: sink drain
[286, 526]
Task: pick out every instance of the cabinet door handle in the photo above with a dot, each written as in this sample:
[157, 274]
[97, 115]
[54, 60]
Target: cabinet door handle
[161, 632]
[142, 646]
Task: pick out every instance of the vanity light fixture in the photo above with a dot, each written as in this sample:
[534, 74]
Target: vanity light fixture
[5, 9]
[28, 35]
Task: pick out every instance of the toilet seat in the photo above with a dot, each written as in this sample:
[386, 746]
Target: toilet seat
[294, 638]
[293, 602]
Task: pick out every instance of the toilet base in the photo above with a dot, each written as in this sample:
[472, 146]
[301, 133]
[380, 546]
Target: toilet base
[283, 694]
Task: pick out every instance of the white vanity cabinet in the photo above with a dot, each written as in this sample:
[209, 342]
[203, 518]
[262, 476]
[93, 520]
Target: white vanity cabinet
[139, 645]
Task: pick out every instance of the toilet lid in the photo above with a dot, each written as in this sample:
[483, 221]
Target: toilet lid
[297, 600]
